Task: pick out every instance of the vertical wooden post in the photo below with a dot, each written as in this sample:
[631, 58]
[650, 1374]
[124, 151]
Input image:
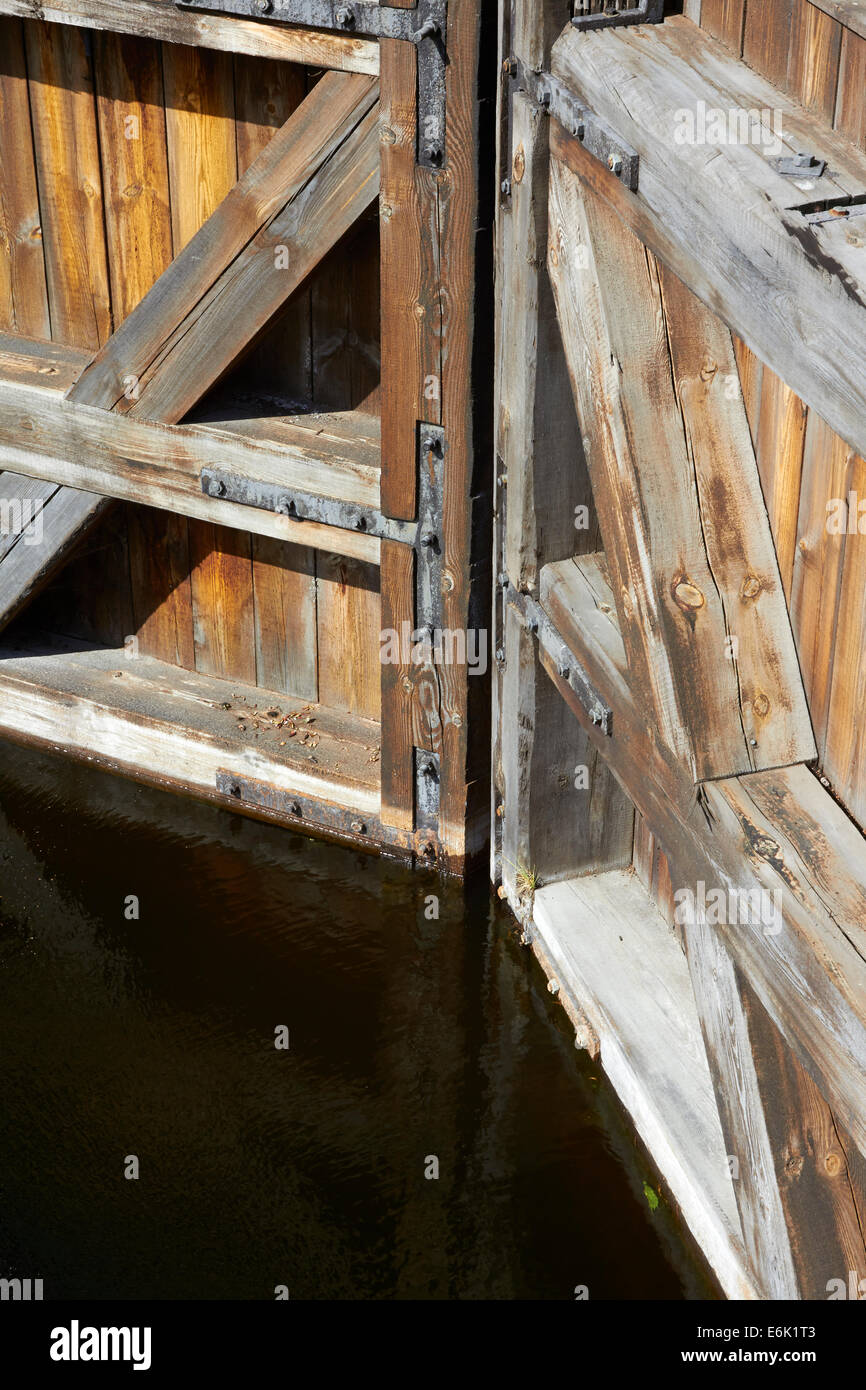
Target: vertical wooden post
[544, 509]
[436, 256]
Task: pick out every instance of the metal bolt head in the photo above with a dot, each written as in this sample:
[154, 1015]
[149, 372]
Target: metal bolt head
[429, 539]
[359, 827]
[500, 654]
[285, 506]
[344, 17]
[532, 624]
[505, 188]
[596, 717]
[434, 152]
[427, 31]
[503, 580]
[295, 808]
[218, 489]
[502, 480]
[614, 163]
[565, 672]
[263, 6]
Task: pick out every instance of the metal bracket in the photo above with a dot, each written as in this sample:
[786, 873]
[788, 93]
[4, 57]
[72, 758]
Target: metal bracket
[425, 26]
[645, 12]
[304, 506]
[427, 778]
[593, 133]
[568, 668]
[424, 535]
[799, 166]
[429, 540]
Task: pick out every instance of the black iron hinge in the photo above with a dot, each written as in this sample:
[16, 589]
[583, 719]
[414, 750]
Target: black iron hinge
[425, 26]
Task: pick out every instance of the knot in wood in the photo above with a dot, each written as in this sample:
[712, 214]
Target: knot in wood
[518, 166]
[761, 705]
[751, 587]
[687, 595]
[765, 847]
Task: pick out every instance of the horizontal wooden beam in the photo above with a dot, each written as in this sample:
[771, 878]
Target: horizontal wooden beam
[180, 729]
[713, 206]
[160, 19]
[317, 175]
[173, 723]
[43, 435]
[776, 833]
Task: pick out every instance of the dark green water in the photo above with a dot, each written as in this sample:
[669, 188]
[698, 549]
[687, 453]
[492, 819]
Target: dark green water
[408, 1038]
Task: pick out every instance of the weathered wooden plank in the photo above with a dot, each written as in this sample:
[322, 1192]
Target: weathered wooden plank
[751, 382]
[844, 751]
[63, 113]
[157, 19]
[467, 415]
[776, 832]
[51, 526]
[697, 589]
[284, 583]
[773, 706]
[266, 95]
[160, 722]
[132, 139]
[412, 310]
[348, 617]
[781, 441]
[556, 795]
[724, 20]
[851, 99]
[750, 1154]
[200, 134]
[222, 602]
[817, 1183]
[21, 500]
[767, 36]
[345, 322]
[813, 60]
[538, 435]
[23, 291]
[615, 955]
[818, 562]
[721, 217]
[296, 200]
[159, 567]
[44, 436]
[850, 13]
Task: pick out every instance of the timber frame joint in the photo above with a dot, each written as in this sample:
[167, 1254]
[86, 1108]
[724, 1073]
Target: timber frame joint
[425, 26]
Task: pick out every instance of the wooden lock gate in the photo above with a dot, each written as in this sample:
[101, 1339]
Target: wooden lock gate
[258, 541]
